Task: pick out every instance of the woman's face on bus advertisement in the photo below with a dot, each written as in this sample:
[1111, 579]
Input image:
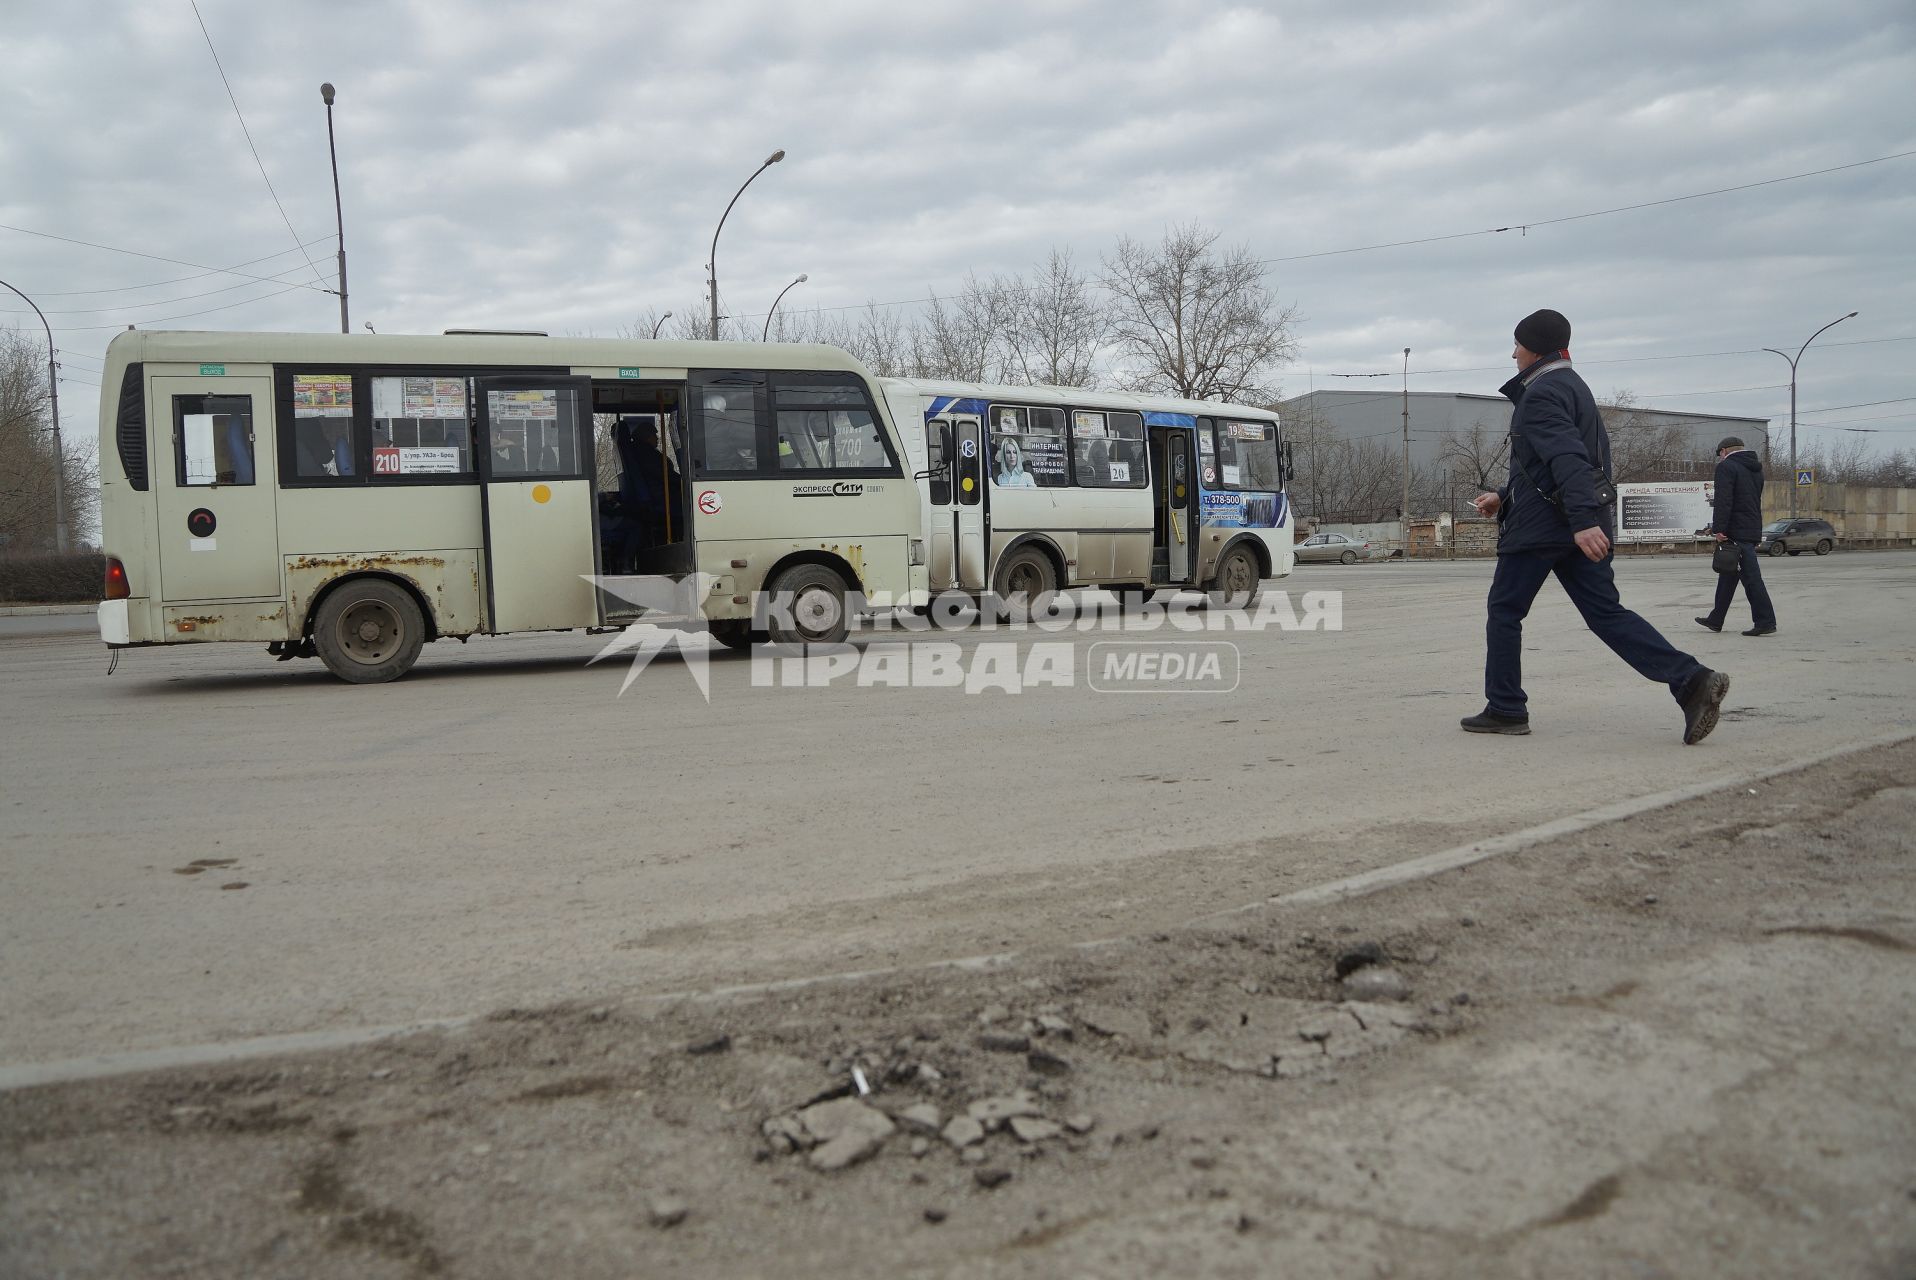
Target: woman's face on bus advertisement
[1010, 456]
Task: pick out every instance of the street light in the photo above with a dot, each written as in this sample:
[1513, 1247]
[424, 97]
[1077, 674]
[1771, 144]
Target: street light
[766, 336]
[712, 265]
[59, 453]
[1407, 454]
[1793, 359]
[339, 212]
[661, 320]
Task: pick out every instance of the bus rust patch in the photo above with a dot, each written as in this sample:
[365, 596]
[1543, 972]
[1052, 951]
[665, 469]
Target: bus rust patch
[364, 563]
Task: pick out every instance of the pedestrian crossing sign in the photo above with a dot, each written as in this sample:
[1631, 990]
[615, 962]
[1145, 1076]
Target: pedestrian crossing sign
[1805, 477]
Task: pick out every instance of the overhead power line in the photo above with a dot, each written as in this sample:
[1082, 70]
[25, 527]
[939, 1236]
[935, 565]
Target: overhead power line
[80, 328]
[178, 262]
[230, 97]
[155, 284]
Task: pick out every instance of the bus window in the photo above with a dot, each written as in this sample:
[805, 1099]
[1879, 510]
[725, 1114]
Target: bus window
[420, 427]
[938, 461]
[1108, 449]
[1247, 456]
[827, 426]
[534, 432]
[1027, 447]
[322, 425]
[213, 439]
[725, 433]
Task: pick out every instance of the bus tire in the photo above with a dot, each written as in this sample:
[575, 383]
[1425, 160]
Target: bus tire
[736, 634]
[1027, 572]
[1234, 585]
[368, 631]
[814, 609]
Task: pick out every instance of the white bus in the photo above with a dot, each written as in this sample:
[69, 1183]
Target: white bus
[1036, 489]
[353, 496]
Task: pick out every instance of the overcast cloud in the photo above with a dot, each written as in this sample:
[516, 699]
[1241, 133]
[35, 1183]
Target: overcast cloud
[561, 165]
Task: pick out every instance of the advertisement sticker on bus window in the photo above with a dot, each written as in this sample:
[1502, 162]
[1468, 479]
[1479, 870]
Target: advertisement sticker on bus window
[1247, 431]
[1120, 472]
[1087, 424]
[539, 403]
[322, 395]
[435, 460]
[1008, 420]
[435, 398]
[386, 460]
[1232, 474]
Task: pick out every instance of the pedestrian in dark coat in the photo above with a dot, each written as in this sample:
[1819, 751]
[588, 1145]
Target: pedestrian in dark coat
[1552, 524]
[1738, 519]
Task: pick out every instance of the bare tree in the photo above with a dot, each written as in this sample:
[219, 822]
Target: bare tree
[1641, 450]
[28, 463]
[966, 339]
[1057, 326]
[1187, 320]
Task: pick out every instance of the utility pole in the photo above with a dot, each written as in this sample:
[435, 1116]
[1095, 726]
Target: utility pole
[1406, 507]
[339, 210]
[1793, 359]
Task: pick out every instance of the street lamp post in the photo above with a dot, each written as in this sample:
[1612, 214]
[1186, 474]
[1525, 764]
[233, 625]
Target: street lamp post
[712, 265]
[661, 320]
[766, 336]
[1793, 359]
[339, 212]
[1406, 453]
[59, 452]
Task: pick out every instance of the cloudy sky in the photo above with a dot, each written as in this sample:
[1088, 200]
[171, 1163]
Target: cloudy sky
[561, 165]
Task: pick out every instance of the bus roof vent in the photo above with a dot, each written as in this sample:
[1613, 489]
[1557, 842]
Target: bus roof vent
[497, 333]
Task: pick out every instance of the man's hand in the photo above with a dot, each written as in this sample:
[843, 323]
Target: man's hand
[1486, 504]
[1594, 544]
[1722, 537]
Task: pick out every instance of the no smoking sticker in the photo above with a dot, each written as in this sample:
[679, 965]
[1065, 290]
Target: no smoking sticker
[710, 503]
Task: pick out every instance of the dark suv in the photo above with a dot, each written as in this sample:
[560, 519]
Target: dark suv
[1798, 536]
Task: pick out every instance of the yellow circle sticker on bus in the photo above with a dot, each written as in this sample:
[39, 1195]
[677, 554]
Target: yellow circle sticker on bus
[965, 484]
[541, 493]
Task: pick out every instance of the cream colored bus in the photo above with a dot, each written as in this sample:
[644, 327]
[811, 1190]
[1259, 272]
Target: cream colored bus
[351, 497]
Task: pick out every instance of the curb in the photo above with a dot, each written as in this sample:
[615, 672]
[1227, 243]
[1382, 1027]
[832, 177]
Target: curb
[44, 610]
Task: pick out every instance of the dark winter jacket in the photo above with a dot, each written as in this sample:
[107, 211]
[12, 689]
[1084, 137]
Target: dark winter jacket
[1739, 497]
[1556, 436]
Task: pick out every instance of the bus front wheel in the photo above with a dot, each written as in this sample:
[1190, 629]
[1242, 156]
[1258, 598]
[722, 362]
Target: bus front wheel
[808, 607]
[369, 631]
[1235, 585]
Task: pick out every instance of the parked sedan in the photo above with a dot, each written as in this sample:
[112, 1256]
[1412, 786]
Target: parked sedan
[1797, 536]
[1321, 548]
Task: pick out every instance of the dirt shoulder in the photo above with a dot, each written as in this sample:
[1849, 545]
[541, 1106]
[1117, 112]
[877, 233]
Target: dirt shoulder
[1677, 1045]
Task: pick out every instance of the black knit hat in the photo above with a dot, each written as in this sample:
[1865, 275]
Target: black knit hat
[1543, 332]
[1729, 442]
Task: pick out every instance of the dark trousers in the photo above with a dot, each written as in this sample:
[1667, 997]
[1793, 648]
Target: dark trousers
[1592, 587]
[1762, 612]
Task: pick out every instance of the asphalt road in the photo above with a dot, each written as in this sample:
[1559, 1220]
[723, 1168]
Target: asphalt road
[208, 845]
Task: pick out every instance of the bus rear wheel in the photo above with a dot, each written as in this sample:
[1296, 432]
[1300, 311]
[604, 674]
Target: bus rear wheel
[1235, 585]
[368, 631]
[809, 607]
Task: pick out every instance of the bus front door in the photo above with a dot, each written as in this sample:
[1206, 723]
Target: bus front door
[970, 516]
[1171, 488]
[537, 481]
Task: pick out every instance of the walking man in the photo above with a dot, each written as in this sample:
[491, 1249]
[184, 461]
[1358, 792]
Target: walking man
[1738, 519]
[1551, 523]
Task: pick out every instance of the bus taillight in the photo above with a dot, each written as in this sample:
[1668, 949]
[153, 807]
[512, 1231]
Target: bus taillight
[117, 587]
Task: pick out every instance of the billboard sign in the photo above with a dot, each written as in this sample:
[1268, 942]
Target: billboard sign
[1664, 512]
